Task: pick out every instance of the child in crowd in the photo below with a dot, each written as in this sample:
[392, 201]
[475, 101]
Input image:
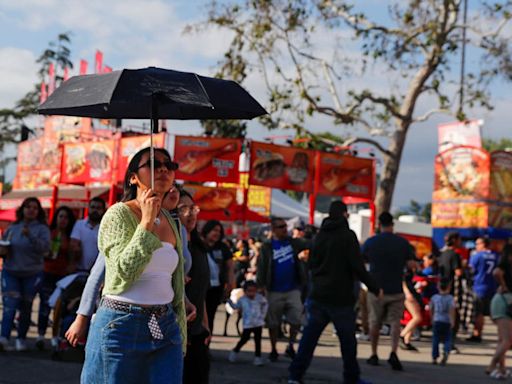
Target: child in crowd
[442, 308]
[254, 309]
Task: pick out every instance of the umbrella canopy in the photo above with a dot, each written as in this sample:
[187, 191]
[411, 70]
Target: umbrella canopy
[153, 93]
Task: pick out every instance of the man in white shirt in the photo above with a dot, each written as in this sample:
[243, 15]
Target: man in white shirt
[84, 237]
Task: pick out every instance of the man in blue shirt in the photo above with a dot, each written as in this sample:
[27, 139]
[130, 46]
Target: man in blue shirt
[282, 275]
[482, 262]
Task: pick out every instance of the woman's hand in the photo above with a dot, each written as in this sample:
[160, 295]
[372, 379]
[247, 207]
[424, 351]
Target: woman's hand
[150, 204]
[190, 310]
[76, 331]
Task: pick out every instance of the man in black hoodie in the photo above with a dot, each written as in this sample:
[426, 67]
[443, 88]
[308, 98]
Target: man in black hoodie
[335, 262]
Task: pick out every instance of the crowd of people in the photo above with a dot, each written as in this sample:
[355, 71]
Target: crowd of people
[153, 280]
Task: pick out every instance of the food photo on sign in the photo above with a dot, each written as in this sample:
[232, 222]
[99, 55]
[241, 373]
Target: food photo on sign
[87, 162]
[214, 203]
[130, 146]
[207, 159]
[501, 176]
[462, 173]
[281, 167]
[346, 175]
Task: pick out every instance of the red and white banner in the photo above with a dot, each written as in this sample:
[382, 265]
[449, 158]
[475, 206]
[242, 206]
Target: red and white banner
[44, 93]
[459, 133]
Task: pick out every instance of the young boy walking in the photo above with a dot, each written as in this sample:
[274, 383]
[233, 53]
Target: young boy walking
[254, 309]
[442, 308]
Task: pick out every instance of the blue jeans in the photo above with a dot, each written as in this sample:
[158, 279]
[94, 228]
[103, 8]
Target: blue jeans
[120, 349]
[18, 293]
[318, 316]
[441, 332]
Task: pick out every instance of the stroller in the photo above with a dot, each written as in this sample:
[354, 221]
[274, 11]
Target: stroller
[65, 301]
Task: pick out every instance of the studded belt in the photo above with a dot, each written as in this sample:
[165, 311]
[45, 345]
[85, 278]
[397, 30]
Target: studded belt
[153, 311]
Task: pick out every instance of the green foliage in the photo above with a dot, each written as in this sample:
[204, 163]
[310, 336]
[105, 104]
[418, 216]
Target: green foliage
[424, 211]
[285, 43]
[496, 145]
[12, 119]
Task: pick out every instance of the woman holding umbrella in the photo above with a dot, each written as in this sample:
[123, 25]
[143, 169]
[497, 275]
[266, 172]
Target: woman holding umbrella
[139, 333]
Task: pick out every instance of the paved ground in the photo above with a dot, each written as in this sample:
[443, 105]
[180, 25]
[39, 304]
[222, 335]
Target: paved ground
[468, 367]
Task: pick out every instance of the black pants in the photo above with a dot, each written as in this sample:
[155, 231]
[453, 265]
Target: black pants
[213, 299]
[196, 366]
[246, 335]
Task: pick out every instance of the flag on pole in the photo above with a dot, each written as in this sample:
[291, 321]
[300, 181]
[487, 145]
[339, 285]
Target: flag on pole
[51, 80]
[66, 73]
[83, 67]
[98, 62]
[44, 94]
[107, 69]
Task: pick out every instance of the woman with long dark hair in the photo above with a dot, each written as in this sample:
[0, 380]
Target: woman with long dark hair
[139, 332]
[197, 362]
[57, 264]
[500, 314]
[29, 239]
[222, 279]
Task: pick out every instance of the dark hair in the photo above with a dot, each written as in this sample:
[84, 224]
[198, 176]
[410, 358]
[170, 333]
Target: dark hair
[209, 226]
[444, 283]
[504, 259]
[98, 200]
[249, 283]
[274, 220]
[485, 240]
[41, 214]
[71, 219]
[130, 191]
[337, 209]
[183, 192]
[386, 219]
[451, 238]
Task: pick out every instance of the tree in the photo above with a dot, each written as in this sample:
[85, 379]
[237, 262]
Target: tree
[424, 211]
[496, 145]
[12, 120]
[417, 46]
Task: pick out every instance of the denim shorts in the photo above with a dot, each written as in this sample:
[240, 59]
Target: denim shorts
[120, 349]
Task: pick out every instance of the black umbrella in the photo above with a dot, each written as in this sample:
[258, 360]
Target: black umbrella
[151, 93]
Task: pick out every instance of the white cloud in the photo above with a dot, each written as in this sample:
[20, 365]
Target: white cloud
[18, 74]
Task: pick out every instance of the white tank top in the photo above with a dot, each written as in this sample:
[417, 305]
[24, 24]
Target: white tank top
[154, 286]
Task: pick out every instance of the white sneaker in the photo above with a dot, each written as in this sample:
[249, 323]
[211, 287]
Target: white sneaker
[40, 342]
[363, 337]
[21, 345]
[4, 344]
[232, 356]
[54, 342]
[258, 361]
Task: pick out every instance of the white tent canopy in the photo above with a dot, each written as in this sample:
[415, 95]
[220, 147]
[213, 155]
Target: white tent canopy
[286, 207]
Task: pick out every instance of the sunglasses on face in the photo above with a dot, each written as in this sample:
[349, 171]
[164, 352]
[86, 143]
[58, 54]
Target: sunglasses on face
[186, 210]
[170, 165]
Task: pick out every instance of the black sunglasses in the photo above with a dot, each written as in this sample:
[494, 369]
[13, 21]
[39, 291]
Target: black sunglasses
[170, 165]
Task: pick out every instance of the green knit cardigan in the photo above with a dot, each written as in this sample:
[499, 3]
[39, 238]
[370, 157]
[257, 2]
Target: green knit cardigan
[128, 248]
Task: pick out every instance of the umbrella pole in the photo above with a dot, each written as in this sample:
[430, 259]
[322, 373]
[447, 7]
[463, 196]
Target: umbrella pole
[152, 153]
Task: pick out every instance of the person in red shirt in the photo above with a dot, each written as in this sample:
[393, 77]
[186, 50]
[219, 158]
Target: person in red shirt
[57, 264]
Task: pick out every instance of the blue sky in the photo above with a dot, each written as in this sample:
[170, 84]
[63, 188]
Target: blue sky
[134, 33]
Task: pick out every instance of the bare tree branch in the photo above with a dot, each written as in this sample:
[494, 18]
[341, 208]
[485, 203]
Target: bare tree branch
[428, 114]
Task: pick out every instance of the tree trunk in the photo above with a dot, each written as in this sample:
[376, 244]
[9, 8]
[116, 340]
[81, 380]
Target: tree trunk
[390, 170]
